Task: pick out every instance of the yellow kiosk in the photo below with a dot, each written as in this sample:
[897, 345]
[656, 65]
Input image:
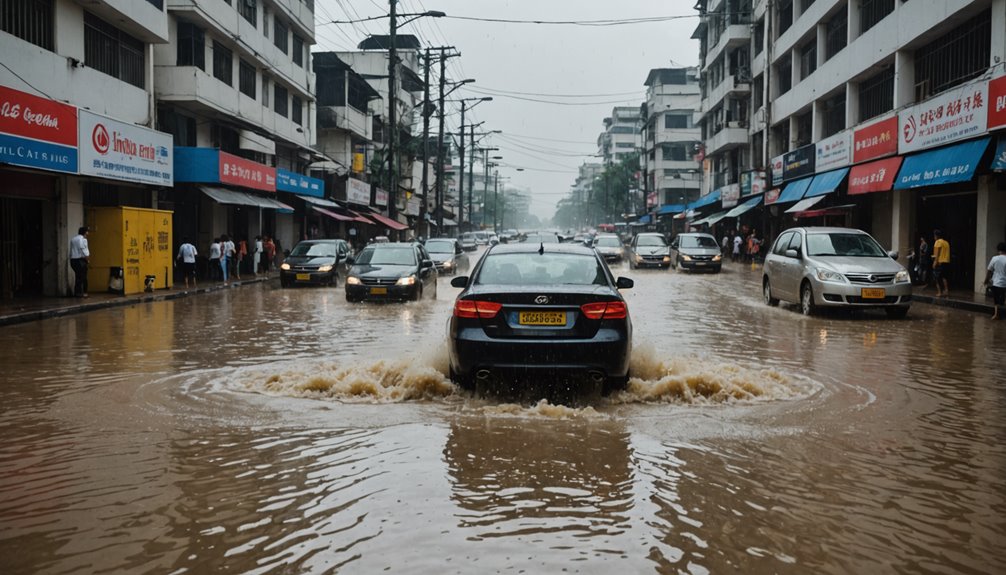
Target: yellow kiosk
[130, 249]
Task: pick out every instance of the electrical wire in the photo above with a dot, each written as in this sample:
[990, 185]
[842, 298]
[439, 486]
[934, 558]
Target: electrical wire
[554, 102]
[516, 93]
[596, 23]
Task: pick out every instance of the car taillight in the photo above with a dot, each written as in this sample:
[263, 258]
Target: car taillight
[605, 310]
[473, 309]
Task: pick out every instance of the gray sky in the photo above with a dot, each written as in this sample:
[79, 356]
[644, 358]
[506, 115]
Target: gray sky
[537, 59]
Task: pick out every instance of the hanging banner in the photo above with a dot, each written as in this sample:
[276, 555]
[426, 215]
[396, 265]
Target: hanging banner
[287, 181]
[957, 114]
[772, 196]
[36, 132]
[380, 197]
[752, 183]
[120, 151]
[357, 192]
[834, 152]
[730, 195]
[359, 159]
[877, 140]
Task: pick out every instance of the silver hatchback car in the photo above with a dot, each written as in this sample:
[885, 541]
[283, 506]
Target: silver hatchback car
[835, 267]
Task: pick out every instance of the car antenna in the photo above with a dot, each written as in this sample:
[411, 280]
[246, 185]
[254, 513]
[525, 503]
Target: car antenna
[541, 248]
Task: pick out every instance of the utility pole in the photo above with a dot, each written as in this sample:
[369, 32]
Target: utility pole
[496, 202]
[461, 173]
[421, 227]
[485, 183]
[440, 144]
[471, 175]
[392, 113]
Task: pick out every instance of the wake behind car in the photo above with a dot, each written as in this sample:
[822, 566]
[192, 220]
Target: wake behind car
[448, 255]
[649, 250]
[315, 262]
[835, 267]
[392, 271]
[534, 313]
[696, 252]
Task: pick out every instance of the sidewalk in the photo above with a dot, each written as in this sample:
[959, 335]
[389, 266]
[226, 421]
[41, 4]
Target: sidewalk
[33, 309]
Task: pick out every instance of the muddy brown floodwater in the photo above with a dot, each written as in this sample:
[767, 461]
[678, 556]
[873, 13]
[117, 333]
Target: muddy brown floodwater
[261, 430]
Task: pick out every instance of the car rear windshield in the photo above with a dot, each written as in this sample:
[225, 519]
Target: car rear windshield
[315, 250]
[542, 239]
[844, 244]
[651, 241]
[388, 257]
[608, 243]
[698, 242]
[440, 246]
[541, 269]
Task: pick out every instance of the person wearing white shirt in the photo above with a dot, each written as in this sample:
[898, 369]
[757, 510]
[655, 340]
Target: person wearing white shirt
[215, 259]
[187, 257]
[996, 279]
[79, 256]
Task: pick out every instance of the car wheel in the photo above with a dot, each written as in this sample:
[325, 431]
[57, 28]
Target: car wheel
[419, 292]
[807, 306]
[333, 281]
[434, 294]
[351, 299]
[284, 283]
[462, 382]
[896, 312]
[766, 291]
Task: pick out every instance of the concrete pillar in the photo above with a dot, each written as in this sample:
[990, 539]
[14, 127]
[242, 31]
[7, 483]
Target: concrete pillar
[822, 44]
[904, 78]
[990, 225]
[998, 53]
[817, 121]
[69, 218]
[852, 27]
[901, 217]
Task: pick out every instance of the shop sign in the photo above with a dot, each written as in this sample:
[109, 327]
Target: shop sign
[877, 140]
[357, 192]
[287, 181]
[380, 197]
[997, 103]
[777, 163]
[834, 152]
[999, 159]
[246, 173]
[798, 163]
[874, 177]
[772, 196]
[730, 194]
[359, 158]
[651, 199]
[412, 207]
[36, 132]
[120, 151]
[957, 114]
[752, 183]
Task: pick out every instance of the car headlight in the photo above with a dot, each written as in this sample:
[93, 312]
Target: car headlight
[686, 258]
[448, 265]
[717, 258]
[353, 281]
[327, 268]
[406, 281]
[284, 266]
[830, 276]
[639, 258]
[668, 258]
[902, 277]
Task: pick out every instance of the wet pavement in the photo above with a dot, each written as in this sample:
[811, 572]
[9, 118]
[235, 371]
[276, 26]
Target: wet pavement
[260, 430]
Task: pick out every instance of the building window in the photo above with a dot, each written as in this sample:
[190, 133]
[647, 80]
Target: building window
[756, 92]
[675, 121]
[804, 128]
[837, 30]
[804, 4]
[246, 79]
[29, 20]
[876, 95]
[182, 128]
[281, 104]
[954, 58]
[759, 36]
[223, 63]
[808, 58]
[873, 11]
[675, 153]
[265, 91]
[297, 111]
[191, 45]
[249, 11]
[298, 50]
[279, 37]
[159, 4]
[833, 115]
[785, 15]
[112, 51]
[784, 73]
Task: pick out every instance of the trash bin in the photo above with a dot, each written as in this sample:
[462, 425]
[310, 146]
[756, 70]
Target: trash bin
[116, 281]
[148, 283]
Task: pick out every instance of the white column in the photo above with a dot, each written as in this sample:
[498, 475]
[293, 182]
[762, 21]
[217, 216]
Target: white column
[902, 204]
[998, 52]
[990, 225]
[904, 78]
[851, 104]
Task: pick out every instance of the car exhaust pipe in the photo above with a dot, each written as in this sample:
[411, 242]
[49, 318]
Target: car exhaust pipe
[483, 375]
[596, 376]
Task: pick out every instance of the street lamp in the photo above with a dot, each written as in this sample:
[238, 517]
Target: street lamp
[496, 195]
[461, 182]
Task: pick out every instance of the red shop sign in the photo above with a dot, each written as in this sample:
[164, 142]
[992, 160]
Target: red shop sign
[874, 177]
[37, 118]
[246, 173]
[997, 103]
[876, 140]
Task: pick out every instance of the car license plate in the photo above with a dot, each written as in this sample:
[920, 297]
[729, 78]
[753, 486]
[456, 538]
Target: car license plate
[542, 318]
[700, 263]
[303, 277]
[873, 293]
[378, 291]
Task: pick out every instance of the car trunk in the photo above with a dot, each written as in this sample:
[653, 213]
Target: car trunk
[524, 316]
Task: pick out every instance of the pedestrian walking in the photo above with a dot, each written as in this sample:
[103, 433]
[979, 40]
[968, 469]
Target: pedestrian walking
[187, 261]
[738, 240]
[257, 258]
[270, 253]
[79, 257]
[941, 264]
[725, 244]
[753, 247]
[226, 256]
[995, 278]
[215, 260]
[922, 262]
[239, 257]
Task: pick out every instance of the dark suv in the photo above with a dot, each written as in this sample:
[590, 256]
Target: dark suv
[315, 262]
[396, 271]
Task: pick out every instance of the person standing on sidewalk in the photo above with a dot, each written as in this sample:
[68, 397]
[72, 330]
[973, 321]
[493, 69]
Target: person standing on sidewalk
[738, 240]
[257, 258]
[187, 257]
[922, 262]
[941, 264]
[226, 256]
[215, 259]
[79, 256]
[996, 278]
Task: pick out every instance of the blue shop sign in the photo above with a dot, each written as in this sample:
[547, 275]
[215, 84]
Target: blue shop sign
[19, 151]
[945, 165]
[287, 181]
[999, 160]
[197, 164]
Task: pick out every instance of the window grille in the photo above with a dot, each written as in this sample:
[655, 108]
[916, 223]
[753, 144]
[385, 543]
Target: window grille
[297, 111]
[159, 4]
[279, 38]
[808, 58]
[246, 79]
[281, 104]
[29, 20]
[298, 50]
[112, 51]
[784, 75]
[785, 16]
[191, 45]
[804, 128]
[249, 11]
[837, 33]
[873, 11]
[833, 116]
[876, 94]
[223, 63]
[954, 58]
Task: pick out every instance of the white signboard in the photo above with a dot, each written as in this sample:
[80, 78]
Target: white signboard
[412, 208]
[777, 164]
[730, 194]
[120, 151]
[834, 152]
[380, 197]
[357, 192]
[955, 115]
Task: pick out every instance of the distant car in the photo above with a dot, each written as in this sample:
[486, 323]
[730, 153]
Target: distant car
[649, 250]
[448, 255]
[468, 242]
[482, 238]
[610, 247]
[835, 267]
[696, 252]
[552, 315]
[380, 240]
[392, 271]
[315, 262]
[542, 238]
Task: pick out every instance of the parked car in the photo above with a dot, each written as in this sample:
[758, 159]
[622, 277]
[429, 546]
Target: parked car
[835, 267]
[610, 247]
[649, 250]
[392, 271]
[315, 262]
[468, 242]
[531, 315]
[697, 252]
[448, 255]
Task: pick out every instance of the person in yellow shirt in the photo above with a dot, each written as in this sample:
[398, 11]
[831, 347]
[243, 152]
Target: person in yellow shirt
[941, 263]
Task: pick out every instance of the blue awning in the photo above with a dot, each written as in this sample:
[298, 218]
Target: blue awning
[645, 219]
[945, 165]
[705, 200]
[670, 209]
[746, 206]
[794, 190]
[999, 160]
[826, 183]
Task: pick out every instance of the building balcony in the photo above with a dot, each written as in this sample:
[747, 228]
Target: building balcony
[345, 118]
[733, 36]
[732, 135]
[141, 19]
[675, 135]
[730, 86]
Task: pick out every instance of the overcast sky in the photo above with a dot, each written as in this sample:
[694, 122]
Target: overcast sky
[606, 64]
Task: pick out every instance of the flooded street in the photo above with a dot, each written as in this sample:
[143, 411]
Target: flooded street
[262, 430]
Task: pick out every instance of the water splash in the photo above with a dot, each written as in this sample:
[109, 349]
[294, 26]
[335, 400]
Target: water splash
[383, 381]
[542, 409]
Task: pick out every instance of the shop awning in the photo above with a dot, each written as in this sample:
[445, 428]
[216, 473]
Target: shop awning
[832, 211]
[644, 219]
[447, 222]
[320, 202]
[794, 190]
[945, 165]
[744, 208]
[272, 204]
[670, 209]
[359, 218]
[826, 183]
[389, 222]
[705, 200]
[685, 214]
[999, 160]
[712, 220]
[235, 198]
[804, 204]
[333, 215]
[874, 177]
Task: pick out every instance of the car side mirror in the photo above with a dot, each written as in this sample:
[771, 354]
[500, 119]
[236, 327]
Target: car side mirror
[624, 283]
[459, 281]
[791, 253]
[893, 254]
[427, 263]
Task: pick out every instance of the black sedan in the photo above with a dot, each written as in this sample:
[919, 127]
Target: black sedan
[392, 271]
[696, 252]
[314, 262]
[548, 313]
[448, 255]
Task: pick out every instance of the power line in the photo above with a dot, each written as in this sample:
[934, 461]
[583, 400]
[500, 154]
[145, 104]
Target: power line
[597, 23]
[501, 92]
[554, 102]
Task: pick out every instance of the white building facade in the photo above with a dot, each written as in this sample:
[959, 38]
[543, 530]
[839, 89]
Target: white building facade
[671, 136]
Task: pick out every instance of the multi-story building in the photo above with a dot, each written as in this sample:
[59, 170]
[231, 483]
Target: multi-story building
[76, 118]
[883, 113]
[621, 137]
[671, 136]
